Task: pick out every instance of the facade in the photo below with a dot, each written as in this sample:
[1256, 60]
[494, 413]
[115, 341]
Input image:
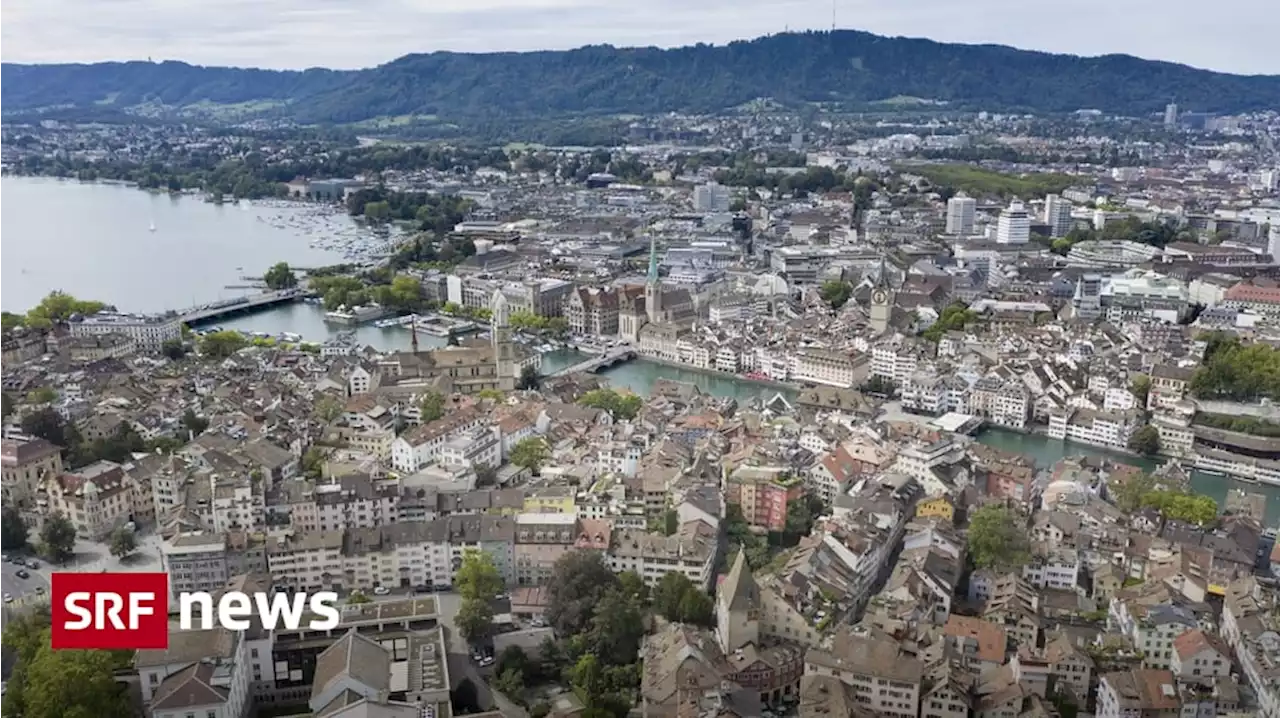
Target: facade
[97, 499]
[1057, 214]
[1014, 225]
[961, 211]
[711, 197]
[26, 462]
[148, 332]
[763, 494]
[195, 562]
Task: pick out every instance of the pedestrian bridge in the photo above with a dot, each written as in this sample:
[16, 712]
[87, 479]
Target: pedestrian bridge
[594, 364]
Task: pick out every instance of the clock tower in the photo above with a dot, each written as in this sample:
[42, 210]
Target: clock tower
[881, 301]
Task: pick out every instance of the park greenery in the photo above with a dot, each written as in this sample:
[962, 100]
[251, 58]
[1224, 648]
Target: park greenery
[530, 322]
[676, 599]
[55, 308]
[1242, 424]
[998, 538]
[623, 407]
[531, 454]
[979, 182]
[1133, 229]
[119, 446]
[123, 542]
[1145, 491]
[1236, 370]
[280, 276]
[836, 292]
[48, 683]
[955, 317]
[1145, 441]
[13, 530]
[57, 539]
[478, 583]
[431, 406]
[220, 345]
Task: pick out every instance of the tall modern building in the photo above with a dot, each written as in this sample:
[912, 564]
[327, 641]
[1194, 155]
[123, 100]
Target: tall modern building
[1057, 214]
[711, 197]
[960, 213]
[1171, 115]
[1014, 226]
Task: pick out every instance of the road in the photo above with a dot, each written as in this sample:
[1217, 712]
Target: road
[90, 556]
[23, 590]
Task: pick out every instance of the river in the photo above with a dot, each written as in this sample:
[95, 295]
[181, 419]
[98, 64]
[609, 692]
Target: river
[1047, 452]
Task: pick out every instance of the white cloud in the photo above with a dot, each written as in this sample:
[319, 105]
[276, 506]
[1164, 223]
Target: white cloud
[1236, 36]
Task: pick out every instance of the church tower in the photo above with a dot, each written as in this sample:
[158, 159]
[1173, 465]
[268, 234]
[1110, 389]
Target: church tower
[653, 285]
[881, 301]
[500, 331]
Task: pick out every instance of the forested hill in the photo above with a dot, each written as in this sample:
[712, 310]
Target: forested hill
[845, 66]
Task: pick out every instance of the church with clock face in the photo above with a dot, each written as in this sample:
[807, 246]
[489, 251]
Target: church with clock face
[882, 298]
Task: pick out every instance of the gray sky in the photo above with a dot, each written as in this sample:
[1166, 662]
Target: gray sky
[1227, 35]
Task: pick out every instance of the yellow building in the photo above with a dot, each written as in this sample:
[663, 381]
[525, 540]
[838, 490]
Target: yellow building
[940, 506]
[550, 500]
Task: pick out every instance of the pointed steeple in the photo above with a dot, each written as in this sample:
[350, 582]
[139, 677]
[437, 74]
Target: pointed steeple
[882, 274]
[653, 260]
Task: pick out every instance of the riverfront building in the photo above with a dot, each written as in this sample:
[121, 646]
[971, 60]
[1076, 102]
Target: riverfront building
[149, 332]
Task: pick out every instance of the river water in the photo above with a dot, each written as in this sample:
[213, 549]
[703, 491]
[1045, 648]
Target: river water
[94, 241]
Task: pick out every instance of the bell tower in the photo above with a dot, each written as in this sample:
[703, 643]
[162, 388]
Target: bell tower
[653, 285]
[500, 332]
[881, 301]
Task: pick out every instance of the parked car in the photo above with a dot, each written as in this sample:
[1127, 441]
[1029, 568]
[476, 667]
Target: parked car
[22, 574]
[8, 598]
[32, 563]
[422, 588]
[381, 590]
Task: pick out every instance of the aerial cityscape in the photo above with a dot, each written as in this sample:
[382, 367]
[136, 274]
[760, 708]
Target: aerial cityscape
[824, 374]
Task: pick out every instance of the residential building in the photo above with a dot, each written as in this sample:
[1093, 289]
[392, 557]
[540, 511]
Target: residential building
[148, 332]
[961, 211]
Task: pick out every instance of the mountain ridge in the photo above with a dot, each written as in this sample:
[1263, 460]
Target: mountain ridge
[845, 66]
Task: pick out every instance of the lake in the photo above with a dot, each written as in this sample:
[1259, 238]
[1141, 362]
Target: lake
[94, 241]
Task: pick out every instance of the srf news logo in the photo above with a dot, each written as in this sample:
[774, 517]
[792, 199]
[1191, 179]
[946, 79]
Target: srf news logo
[131, 610]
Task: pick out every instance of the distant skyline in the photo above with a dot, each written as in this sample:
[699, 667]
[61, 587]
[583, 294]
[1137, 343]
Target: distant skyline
[1235, 36]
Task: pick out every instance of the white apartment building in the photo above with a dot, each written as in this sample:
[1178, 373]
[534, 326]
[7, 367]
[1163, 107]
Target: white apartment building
[195, 562]
[1056, 569]
[419, 446]
[476, 448]
[961, 212]
[310, 561]
[149, 332]
[1100, 428]
[1057, 214]
[1011, 406]
[821, 366]
[711, 197]
[653, 555]
[1014, 225]
[893, 361]
[354, 502]
[1151, 629]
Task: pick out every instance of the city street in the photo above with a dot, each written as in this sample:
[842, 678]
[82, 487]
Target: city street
[23, 590]
[90, 556]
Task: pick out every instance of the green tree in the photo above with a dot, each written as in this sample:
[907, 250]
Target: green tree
[377, 211]
[174, 349]
[328, 408]
[431, 406]
[43, 395]
[73, 684]
[7, 400]
[633, 585]
[529, 379]
[313, 461]
[623, 407]
[13, 529]
[358, 597]
[1128, 494]
[670, 522]
[474, 619]
[1145, 441]
[59, 307]
[997, 538]
[492, 394]
[510, 683]
[617, 628]
[530, 453]
[194, 423]
[954, 317]
[579, 580]
[1141, 388]
[57, 539]
[477, 578]
[220, 345]
[836, 292]
[10, 321]
[47, 424]
[280, 276]
[677, 599]
[123, 542]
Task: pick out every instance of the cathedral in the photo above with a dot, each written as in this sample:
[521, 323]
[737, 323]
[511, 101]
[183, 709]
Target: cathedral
[467, 369]
[657, 316]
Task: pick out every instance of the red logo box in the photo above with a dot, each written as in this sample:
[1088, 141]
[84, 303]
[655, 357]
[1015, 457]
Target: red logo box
[110, 610]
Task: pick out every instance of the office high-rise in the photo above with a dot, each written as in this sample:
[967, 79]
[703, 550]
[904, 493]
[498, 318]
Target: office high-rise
[1014, 226]
[1171, 115]
[960, 214]
[1057, 214]
[711, 197]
